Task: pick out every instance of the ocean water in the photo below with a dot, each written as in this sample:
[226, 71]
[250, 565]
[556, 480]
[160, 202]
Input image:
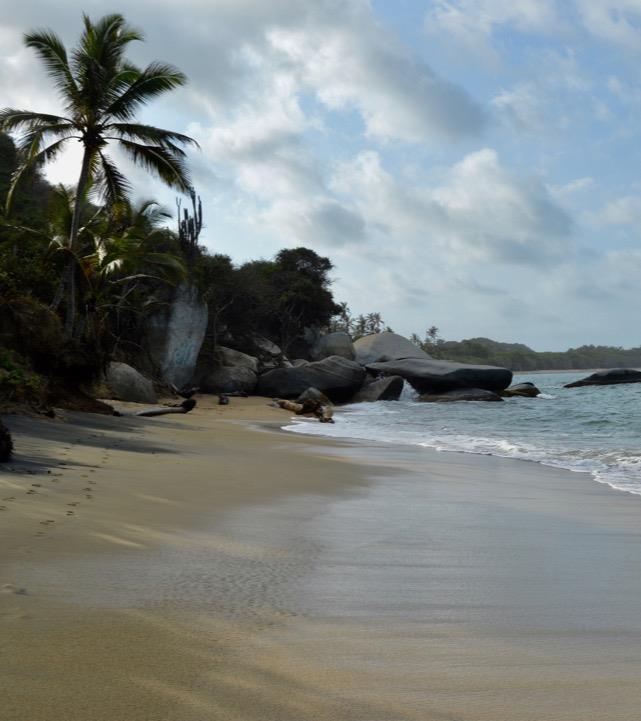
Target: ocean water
[595, 430]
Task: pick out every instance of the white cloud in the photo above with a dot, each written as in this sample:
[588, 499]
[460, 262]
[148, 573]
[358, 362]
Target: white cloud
[616, 21]
[471, 24]
[480, 212]
[622, 211]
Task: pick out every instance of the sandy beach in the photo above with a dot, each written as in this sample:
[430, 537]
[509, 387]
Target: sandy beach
[209, 566]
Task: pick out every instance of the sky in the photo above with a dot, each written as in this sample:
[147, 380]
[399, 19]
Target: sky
[469, 164]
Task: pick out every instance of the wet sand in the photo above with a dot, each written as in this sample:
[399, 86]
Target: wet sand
[207, 567]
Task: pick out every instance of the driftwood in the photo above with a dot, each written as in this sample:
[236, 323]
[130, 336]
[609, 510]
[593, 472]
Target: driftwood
[308, 407]
[184, 407]
[184, 392]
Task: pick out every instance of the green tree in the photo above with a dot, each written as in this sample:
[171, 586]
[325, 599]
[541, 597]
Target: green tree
[101, 92]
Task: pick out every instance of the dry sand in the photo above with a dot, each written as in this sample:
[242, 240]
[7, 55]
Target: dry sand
[201, 567]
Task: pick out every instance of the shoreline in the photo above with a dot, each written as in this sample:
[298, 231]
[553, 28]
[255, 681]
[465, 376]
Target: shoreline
[223, 570]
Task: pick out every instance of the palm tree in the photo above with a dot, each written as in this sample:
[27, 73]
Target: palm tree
[101, 92]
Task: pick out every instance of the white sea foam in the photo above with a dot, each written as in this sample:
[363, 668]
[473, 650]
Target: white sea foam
[596, 433]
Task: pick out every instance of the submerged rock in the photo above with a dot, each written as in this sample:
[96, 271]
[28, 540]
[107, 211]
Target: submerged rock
[387, 346]
[612, 376]
[127, 384]
[339, 378]
[523, 390]
[383, 389]
[427, 375]
[461, 394]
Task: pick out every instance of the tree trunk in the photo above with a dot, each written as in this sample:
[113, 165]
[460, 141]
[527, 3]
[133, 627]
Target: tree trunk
[70, 318]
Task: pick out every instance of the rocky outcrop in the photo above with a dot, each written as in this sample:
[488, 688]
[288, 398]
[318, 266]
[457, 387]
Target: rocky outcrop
[521, 390]
[175, 336]
[336, 377]
[339, 344]
[437, 376]
[230, 371]
[612, 376]
[127, 384]
[461, 394]
[383, 389]
[387, 346]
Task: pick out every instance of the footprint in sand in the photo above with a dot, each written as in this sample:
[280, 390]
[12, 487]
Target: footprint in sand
[88, 495]
[37, 485]
[30, 492]
[12, 588]
[9, 498]
[71, 513]
[48, 522]
[3, 508]
[74, 503]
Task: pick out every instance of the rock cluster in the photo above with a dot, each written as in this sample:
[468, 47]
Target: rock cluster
[608, 377]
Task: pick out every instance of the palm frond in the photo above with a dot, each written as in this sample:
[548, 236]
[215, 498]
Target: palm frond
[155, 79]
[12, 119]
[53, 53]
[110, 182]
[45, 155]
[164, 162]
[148, 134]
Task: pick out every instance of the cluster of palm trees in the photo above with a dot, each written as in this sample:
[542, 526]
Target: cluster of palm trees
[104, 239]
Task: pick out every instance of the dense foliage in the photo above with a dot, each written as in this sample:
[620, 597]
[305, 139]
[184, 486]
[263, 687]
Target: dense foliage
[519, 357]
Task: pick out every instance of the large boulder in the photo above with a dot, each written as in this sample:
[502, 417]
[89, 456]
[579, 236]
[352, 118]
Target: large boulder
[228, 379]
[174, 336]
[230, 371]
[612, 376]
[383, 389]
[387, 346]
[333, 344]
[427, 375]
[521, 390]
[461, 394]
[127, 384]
[336, 377]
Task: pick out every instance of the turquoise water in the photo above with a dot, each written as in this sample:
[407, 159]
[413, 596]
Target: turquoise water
[596, 430]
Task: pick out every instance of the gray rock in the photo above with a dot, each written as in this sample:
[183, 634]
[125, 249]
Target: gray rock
[387, 346]
[300, 362]
[339, 378]
[460, 394]
[127, 384]
[227, 379]
[383, 389]
[436, 376]
[266, 348]
[522, 390]
[230, 357]
[230, 371]
[333, 344]
[174, 336]
[313, 394]
[611, 376]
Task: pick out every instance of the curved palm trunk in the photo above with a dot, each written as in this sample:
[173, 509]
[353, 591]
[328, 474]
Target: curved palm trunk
[70, 318]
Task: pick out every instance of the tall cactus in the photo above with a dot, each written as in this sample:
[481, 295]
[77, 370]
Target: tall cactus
[190, 224]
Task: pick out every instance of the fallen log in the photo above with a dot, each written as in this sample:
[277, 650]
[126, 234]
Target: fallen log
[308, 407]
[184, 407]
